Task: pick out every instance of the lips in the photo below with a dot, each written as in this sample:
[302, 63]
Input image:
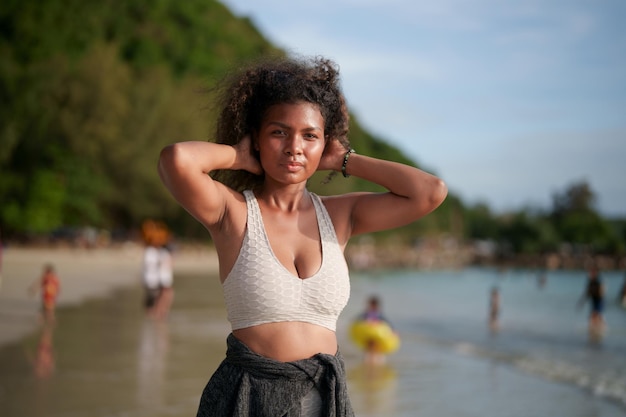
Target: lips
[293, 166]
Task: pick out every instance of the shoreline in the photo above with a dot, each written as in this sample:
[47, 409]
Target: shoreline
[84, 274]
[87, 273]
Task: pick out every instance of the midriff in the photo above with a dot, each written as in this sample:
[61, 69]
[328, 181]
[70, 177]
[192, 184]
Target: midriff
[288, 341]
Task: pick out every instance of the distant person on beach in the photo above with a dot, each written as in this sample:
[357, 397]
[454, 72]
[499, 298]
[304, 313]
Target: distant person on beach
[158, 280]
[542, 279]
[280, 247]
[621, 299]
[494, 309]
[158, 272]
[49, 287]
[150, 277]
[373, 313]
[166, 282]
[594, 292]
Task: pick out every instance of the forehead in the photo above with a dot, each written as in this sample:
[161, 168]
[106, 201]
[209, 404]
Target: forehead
[294, 114]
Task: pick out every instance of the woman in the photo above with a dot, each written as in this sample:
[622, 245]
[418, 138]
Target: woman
[280, 247]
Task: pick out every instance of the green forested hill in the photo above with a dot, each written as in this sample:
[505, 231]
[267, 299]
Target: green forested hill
[92, 90]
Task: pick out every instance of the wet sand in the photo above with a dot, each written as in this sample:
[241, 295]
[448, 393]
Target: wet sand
[84, 274]
[106, 357]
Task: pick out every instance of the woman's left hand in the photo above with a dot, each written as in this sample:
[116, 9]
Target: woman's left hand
[332, 158]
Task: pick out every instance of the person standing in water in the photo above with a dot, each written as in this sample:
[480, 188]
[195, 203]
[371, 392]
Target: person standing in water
[594, 292]
[494, 309]
[373, 311]
[281, 247]
[157, 269]
[166, 282]
[158, 280]
[621, 297]
[373, 314]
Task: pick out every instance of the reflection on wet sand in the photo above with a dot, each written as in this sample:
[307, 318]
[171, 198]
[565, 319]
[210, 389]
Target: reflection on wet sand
[152, 356]
[44, 361]
[374, 387]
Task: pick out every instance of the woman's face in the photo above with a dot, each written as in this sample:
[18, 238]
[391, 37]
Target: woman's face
[291, 142]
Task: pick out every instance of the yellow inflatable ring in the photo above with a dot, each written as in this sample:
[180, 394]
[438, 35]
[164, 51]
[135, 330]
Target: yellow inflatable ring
[376, 336]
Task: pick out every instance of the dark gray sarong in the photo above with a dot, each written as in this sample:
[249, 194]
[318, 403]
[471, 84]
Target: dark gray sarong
[249, 385]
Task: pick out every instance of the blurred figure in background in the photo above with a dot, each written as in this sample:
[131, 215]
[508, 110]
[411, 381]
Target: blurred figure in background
[373, 311]
[375, 350]
[622, 294]
[157, 275]
[494, 309]
[49, 286]
[150, 277]
[166, 281]
[542, 279]
[594, 292]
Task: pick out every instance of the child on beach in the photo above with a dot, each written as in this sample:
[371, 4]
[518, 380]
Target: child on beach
[49, 286]
[281, 247]
[374, 314]
[373, 311]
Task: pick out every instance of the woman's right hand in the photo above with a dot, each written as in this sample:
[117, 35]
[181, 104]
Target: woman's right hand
[245, 159]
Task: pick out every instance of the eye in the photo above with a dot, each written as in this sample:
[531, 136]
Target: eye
[310, 136]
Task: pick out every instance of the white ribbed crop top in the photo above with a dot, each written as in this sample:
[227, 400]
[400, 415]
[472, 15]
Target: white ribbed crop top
[259, 289]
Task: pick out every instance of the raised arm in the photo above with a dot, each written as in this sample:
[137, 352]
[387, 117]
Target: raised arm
[413, 193]
[184, 168]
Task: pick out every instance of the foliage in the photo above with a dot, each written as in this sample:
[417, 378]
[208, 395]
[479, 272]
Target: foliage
[94, 90]
[578, 223]
[572, 221]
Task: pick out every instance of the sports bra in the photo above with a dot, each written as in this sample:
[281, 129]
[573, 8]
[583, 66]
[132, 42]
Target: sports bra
[259, 289]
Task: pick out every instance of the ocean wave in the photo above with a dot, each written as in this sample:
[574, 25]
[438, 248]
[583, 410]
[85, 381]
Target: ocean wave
[609, 384]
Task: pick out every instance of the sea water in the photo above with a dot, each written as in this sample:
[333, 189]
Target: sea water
[541, 360]
[106, 359]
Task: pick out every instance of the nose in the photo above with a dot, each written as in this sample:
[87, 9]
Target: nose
[293, 145]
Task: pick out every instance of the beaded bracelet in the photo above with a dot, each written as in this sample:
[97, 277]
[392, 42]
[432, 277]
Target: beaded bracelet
[345, 162]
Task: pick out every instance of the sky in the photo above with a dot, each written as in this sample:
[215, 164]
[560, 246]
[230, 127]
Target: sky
[508, 101]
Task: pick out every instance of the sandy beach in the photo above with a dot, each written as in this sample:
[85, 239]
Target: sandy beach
[84, 274]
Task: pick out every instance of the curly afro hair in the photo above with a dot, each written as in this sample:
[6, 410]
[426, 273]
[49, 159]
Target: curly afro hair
[245, 96]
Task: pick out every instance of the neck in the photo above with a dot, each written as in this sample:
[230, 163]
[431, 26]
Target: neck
[287, 199]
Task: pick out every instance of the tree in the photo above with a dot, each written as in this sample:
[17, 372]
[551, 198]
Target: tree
[577, 222]
[578, 197]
